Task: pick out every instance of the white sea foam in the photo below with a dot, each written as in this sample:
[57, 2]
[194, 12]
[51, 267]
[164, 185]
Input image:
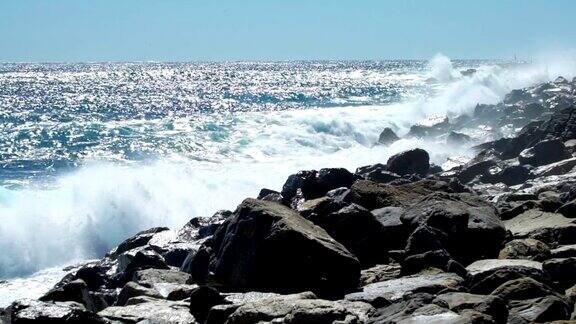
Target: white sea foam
[92, 209]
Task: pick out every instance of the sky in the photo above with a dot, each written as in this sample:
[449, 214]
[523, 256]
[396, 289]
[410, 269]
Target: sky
[202, 30]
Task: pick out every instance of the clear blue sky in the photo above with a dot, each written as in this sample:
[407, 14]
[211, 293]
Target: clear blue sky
[183, 30]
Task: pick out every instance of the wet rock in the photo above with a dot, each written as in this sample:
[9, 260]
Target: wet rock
[509, 175]
[381, 272]
[358, 230]
[388, 136]
[202, 299]
[73, 291]
[487, 275]
[408, 162]
[150, 310]
[143, 259]
[544, 152]
[529, 249]
[396, 289]
[401, 309]
[138, 240]
[433, 128]
[303, 181]
[33, 311]
[149, 277]
[517, 95]
[265, 246]
[381, 176]
[475, 170]
[564, 251]
[270, 195]
[568, 209]
[455, 138]
[394, 230]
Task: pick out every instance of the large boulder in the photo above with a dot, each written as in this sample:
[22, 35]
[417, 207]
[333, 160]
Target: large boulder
[486, 304]
[528, 248]
[33, 311]
[487, 275]
[550, 228]
[465, 219]
[149, 310]
[266, 246]
[544, 152]
[409, 162]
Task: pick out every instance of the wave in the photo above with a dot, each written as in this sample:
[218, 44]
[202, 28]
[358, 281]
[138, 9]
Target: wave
[90, 210]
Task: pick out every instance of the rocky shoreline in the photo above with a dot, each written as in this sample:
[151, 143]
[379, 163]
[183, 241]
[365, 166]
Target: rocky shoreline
[489, 241]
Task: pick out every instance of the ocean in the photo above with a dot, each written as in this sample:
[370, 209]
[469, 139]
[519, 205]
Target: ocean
[92, 153]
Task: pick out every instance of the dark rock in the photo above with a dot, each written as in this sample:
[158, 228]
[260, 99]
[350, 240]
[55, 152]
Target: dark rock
[409, 162]
[487, 275]
[422, 131]
[565, 251]
[550, 228]
[370, 168]
[265, 246]
[132, 289]
[401, 309]
[543, 309]
[529, 249]
[303, 181]
[455, 138]
[381, 176]
[149, 277]
[388, 136]
[475, 170]
[270, 195]
[394, 230]
[561, 270]
[138, 240]
[490, 305]
[202, 299]
[517, 95]
[465, 219]
[523, 288]
[74, 291]
[143, 259]
[359, 231]
[333, 178]
[568, 209]
[510, 175]
[544, 152]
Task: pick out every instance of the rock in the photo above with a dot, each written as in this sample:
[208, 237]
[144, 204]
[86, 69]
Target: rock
[550, 228]
[568, 209]
[486, 275]
[455, 138]
[475, 170]
[400, 310]
[529, 249]
[557, 168]
[564, 251]
[517, 95]
[270, 195]
[33, 311]
[561, 270]
[465, 219]
[143, 259]
[408, 162]
[138, 240]
[359, 231]
[395, 231]
[333, 178]
[543, 309]
[396, 289]
[303, 181]
[132, 289]
[432, 127]
[73, 291]
[265, 246]
[149, 277]
[202, 299]
[150, 310]
[523, 288]
[381, 272]
[298, 309]
[510, 175]
[490, 305]
[381, 176]
[388, 136]
[544, 152]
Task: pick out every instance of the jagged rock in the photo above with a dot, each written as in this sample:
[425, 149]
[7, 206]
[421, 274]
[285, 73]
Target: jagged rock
[475, 170]
[387, 136]
[550, 228]
[401, 309]
[202, 299]
[557, 168]
[132, 289]
[493, 306]
[33, 311]
[465, 219]
[396, 289]
[544, 152]
[509, 175]
[270, 195]
[517, 95]
[408, 162]
[138, 240]
[568, 209]
[561, 270]
[150, 310]
[434, 127]
[265, 246]
[358, 230]
[303, 181]
[143, 259]
[381, 176]
[529, 249]
[201, 227]
[395, 231]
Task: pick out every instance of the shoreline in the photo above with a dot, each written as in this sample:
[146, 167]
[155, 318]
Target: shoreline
[491, 240]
